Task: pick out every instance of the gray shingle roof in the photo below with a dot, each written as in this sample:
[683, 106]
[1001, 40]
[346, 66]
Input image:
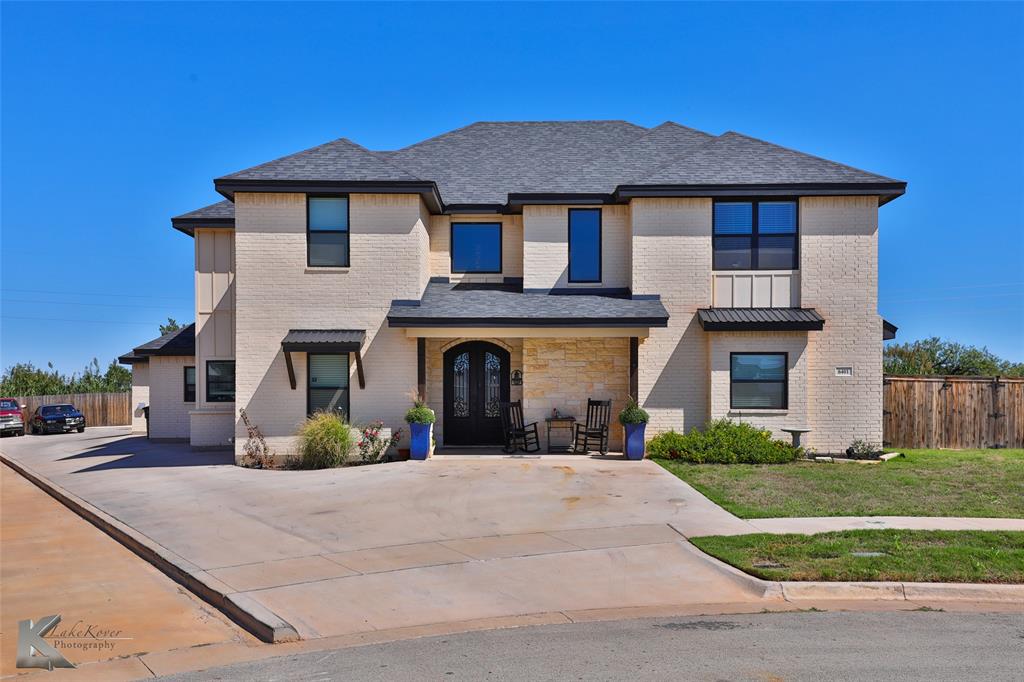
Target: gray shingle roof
[339, 160]
[759, 319]
[483, 163]
[457, 305]
[221, 210]
[735, 159]
[180, 342]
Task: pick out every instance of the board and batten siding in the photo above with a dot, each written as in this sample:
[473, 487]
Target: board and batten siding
[211, 424]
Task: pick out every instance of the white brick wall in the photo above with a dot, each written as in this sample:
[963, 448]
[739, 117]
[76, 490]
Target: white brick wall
[276, 292]
[546, 247]
[839, 278]
[140, 395]
[794, 343]
[168, 412]
[672, 257]
[511, 246]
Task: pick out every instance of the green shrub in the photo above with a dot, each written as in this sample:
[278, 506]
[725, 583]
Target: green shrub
[325, 441]
[632, 413]
[419, 413]
[723, 442]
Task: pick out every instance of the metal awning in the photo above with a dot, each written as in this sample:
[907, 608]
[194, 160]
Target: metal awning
[323, 341]
[760, 319]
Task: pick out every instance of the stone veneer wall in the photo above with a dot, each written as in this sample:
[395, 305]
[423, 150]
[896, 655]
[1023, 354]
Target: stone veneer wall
[564, 373]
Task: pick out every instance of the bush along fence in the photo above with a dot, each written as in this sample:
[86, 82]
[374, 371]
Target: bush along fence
[953, 412]
[100, 409]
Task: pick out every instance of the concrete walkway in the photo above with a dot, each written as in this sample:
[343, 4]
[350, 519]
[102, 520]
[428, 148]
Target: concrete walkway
[825, 524]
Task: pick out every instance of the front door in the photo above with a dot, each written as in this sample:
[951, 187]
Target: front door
[476, 379]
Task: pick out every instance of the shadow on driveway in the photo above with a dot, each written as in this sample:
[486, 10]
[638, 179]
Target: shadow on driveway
[137, 452]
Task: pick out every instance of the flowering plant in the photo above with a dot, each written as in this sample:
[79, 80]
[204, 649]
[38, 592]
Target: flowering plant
[373, 446]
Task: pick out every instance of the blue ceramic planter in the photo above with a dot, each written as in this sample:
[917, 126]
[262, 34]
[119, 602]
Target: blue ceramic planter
[419, 440]
[635, 440]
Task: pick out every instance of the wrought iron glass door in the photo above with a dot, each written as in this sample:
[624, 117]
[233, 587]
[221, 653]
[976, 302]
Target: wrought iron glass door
[476, 379]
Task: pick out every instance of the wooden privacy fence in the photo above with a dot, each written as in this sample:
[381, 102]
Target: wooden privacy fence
[100, 409]
[953, 412]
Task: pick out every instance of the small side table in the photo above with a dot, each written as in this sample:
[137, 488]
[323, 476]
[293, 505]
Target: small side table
[795, 435]
[560, 422]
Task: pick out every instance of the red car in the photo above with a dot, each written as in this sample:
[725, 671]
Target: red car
[11, 420]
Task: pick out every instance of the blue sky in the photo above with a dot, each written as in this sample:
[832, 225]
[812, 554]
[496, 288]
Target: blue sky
[116, 117]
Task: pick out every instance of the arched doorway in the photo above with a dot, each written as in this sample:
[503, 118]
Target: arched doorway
[476, 379]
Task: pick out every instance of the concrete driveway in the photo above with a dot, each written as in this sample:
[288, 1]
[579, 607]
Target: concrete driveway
[415, 543]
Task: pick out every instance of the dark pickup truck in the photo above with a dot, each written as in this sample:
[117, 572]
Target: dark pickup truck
[57, 419]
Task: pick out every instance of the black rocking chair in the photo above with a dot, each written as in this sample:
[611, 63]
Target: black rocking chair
[517, 434]
[595, 429]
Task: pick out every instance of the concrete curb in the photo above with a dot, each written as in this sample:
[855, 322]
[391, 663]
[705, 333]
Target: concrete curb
[973, 592]
[257, 619]
[763, 589]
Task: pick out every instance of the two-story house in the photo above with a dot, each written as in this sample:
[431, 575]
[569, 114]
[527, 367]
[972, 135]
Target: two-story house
[548, 262]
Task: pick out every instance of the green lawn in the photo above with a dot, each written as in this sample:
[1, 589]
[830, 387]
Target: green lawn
[907, 555]
[925, 483]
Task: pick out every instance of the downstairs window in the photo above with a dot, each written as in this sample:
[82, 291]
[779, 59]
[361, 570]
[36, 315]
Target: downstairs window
[759, 381]
[327, 388]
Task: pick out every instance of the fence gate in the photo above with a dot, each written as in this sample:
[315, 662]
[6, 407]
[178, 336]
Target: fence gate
[953, 412]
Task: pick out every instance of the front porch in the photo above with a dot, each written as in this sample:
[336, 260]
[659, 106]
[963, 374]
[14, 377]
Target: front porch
[546, 374]
[479, 345]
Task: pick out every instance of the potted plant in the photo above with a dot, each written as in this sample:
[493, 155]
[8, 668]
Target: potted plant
[634, 420]
[421, 429]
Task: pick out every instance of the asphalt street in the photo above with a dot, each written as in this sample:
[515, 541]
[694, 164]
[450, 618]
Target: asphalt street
[909, 645]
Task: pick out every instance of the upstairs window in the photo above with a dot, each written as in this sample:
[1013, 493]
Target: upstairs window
[190, 385]
[758, 381]
[220, 381]
[328, 383]
[755, 235]
[327, 231]
[584, 245]
[476, 247]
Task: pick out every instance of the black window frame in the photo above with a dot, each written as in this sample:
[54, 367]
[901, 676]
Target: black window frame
[185, 385]
[451, 247]
[755, 231]
[784, 382]
[348, 389]
[233, 386]
[346, 232]
[600, 246]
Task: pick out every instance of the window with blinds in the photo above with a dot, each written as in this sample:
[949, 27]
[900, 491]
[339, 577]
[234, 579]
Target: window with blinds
[755, 235]
[328, 383]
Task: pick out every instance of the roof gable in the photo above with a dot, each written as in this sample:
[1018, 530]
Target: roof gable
[340, 160]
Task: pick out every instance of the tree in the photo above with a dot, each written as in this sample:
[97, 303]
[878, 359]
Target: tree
[171, 326]
[24, 379]
[937, 357]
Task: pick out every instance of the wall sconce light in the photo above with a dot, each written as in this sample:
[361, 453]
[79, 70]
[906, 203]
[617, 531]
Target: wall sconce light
[517, 377]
